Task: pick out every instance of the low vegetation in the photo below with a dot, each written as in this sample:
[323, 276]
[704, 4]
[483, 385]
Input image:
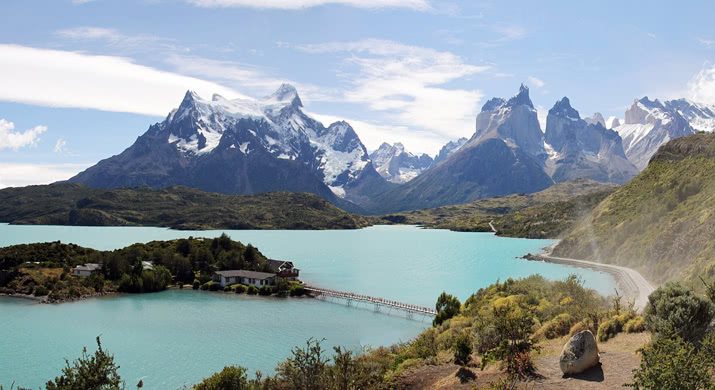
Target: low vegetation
[45, 269]
[682, 353]
[176, 207]
[545, 214]
[660, 223]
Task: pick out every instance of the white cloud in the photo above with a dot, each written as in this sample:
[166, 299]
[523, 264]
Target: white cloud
[70, 79]
[706, 42]
[407, 83]
[702, 87]
[15, 140]
[20, 175]
[242, 76]
[419, 5]
[61, 145]
[535, 82]
[115, 39]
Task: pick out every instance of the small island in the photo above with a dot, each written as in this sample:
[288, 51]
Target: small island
[55, 272]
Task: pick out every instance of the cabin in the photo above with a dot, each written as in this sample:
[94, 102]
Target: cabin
[249, 278]
[283, 269]
[87, 269]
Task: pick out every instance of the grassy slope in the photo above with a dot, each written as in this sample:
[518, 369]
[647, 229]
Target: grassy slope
[662, 222]
[545, 214]
[178, 207]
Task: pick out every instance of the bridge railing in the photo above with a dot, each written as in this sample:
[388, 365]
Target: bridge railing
[350, 296]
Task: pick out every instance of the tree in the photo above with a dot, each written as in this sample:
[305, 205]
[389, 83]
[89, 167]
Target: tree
[95, 372]
[674, 310]
[304, 370]
[251, 254]
[447, 306]
[462, 350]
[230, 378]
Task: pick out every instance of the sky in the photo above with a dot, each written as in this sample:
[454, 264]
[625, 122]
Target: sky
[80, 80]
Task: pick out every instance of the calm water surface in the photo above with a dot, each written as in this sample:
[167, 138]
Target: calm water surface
[177, 337]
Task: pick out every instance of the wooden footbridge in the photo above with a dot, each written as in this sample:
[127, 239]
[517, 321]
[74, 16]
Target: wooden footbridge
[379, 304]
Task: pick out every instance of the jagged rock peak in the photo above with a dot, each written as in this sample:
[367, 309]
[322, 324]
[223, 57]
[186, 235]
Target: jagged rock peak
[521, 98]
[493, 104]
[596, 118]
[563, 108]
[287, 93]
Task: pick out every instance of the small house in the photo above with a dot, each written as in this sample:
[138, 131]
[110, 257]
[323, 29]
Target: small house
[87, 269]
[249, 278]
[283, 269]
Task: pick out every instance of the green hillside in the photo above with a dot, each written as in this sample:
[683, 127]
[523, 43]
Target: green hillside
[176, 207]
[544, 214]
[662, 223]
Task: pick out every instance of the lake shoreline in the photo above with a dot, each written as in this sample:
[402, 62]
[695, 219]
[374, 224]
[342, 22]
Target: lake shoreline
[631, 283]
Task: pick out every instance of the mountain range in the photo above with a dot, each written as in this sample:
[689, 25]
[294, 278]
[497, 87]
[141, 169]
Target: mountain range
[648, 124]
[249, 146]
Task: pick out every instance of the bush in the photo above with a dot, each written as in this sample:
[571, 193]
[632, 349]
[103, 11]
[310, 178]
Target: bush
[673, 363]
[583, 325]
[265, 291]
[556, 327]
[252, 290]
[213, 286]
[609, 329]
[463, 350]
[674, 310]
[41, 291]
[227, 289]
[239, 289]
[296, 290]
[635, 325]
[196, 285]
[229, 378]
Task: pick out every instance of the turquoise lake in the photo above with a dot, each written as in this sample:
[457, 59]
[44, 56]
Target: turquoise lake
[175, 338]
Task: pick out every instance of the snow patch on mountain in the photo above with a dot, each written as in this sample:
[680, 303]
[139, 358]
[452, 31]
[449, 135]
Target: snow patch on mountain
[397, 165]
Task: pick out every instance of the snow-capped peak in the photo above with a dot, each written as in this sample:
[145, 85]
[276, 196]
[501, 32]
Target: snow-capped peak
[286, 93]
[397, 165]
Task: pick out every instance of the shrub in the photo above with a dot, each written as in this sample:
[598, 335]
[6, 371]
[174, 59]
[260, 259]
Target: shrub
[265, 291]
[252, 290]
[229, 378]
[673, 363]
[463, 350]
[585, 324]
[227, 289]
[41, 291]
[239, 289]
[674, 310]
[206, 286]
[609, 329]
[556, 327]
[296, 290]
[635, 325]
[213, 286]
[196, 285]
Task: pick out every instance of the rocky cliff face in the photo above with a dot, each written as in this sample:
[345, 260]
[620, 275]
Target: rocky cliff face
[579, 148]
[242, 147]
[448, 149]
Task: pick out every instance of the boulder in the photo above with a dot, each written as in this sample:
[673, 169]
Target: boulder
[579, 354]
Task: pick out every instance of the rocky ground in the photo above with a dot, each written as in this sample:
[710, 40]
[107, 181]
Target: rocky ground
[619, 357]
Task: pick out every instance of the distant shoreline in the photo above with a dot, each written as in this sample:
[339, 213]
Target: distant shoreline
[631, 284]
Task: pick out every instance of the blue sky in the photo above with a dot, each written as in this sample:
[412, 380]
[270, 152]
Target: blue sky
[81, 79]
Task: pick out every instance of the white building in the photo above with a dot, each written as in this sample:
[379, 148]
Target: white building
[87, 269]
[249, 278]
